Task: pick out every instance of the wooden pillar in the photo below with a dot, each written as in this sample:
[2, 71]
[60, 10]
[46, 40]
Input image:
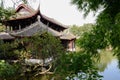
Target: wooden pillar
[19, 27]
[47, 23]
[73, 45]
[5, 28]
[47, 26]
[38, 18]
[11, 28]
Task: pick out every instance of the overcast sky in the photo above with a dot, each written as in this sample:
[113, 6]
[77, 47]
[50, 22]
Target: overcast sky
[62, 11]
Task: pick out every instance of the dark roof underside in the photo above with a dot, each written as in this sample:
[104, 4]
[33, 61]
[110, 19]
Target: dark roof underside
[37, 27]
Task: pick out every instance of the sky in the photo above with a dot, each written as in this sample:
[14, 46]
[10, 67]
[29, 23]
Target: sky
[61, 10]
[65, 12]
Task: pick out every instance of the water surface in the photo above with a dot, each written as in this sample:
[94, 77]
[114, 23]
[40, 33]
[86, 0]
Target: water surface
[111, 72]
[109, 67]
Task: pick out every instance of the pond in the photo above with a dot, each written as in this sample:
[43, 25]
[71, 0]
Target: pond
[111, 72]
[108, 66]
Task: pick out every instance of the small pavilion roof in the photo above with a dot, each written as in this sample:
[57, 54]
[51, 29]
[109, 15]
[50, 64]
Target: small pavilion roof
[30, 12]
[67, 36]
[28, 8]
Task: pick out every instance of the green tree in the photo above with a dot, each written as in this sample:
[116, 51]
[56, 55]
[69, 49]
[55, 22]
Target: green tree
[107, 27]
[39, 46]
[44, 45]
[79, 30]
[79, 65]
[105, 33]
[8, 71]
[8, 51]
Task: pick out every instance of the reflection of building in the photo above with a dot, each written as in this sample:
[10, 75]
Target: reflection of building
[26, 22]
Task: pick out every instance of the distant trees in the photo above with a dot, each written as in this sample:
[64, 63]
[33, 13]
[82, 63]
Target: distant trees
[79, 30]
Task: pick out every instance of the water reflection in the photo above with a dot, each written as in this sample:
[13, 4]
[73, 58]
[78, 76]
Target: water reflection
[112, 71]
[105, 58]
[108, 66]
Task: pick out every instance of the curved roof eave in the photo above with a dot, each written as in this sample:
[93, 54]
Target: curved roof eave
[26, 17]
[53, 21]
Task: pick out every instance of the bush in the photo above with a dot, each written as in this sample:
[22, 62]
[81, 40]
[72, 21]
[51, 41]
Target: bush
[7, 70]
[8, 51]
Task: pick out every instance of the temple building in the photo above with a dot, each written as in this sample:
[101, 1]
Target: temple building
[27, 21]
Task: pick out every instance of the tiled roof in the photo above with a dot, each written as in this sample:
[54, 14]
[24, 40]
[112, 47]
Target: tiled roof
[37, 27]
[28, 8]
[28, 14]
[31, 12]
[67, 36]
[4, 35]
[54, 21]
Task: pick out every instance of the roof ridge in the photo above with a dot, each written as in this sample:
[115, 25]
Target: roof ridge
[27, 7]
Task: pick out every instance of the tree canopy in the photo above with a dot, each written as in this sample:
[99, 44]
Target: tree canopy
[79, 30]
[41, 46]
[107, 30]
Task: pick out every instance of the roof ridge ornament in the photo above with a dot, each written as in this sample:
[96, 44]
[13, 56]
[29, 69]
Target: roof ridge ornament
[39, 5]
[38, 18]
